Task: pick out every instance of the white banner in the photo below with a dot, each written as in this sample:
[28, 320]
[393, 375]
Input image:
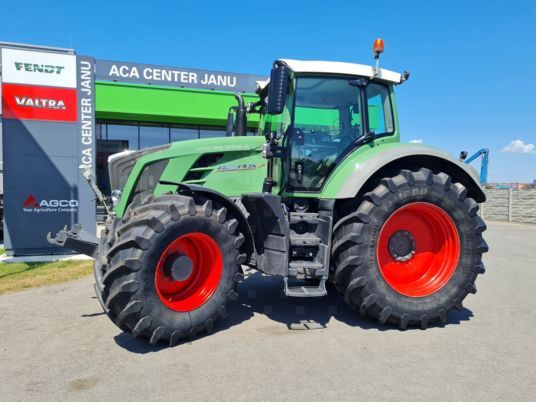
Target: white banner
[38, 68]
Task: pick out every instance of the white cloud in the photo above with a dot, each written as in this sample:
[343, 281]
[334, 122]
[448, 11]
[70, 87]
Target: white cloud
[416, 141]
[519, 147]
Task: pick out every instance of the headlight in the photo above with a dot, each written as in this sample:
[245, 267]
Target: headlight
[116, 195]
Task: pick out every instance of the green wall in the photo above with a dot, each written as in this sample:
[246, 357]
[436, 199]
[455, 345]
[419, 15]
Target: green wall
[122, 101]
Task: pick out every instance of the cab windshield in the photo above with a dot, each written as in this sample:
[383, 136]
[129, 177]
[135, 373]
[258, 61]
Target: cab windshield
[327, 121]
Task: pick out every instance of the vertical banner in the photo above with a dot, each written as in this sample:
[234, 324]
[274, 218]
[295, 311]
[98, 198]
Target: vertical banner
[48, 132]
[86, 140]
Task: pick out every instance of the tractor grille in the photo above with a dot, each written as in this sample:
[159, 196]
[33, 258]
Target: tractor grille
[120, 165]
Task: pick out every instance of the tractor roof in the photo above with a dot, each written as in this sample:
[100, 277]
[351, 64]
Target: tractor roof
[336, 67]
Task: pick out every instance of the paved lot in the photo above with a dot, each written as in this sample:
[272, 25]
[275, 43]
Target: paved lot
[56, 344]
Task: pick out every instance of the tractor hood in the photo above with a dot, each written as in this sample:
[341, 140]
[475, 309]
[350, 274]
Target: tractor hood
[226, 164]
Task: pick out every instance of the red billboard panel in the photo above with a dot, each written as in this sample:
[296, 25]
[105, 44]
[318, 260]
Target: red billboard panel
[29, 102]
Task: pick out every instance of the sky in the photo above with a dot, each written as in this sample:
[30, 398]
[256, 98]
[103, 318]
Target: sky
[472, 63]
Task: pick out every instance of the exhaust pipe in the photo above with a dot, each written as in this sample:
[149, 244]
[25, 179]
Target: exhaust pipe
[230, 122]
[240, 126]
[241, 117]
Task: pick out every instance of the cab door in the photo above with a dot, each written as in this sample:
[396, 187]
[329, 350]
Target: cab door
[326, 122]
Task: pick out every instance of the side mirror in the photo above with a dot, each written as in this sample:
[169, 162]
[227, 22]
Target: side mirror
[277, 90]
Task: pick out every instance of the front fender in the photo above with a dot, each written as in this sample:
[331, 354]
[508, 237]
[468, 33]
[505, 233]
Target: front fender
[225, 201]
[353, 173]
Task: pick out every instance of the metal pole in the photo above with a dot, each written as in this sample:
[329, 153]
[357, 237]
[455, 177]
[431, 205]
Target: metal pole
[510, 192]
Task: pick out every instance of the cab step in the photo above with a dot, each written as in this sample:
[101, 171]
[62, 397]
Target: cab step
[306, 291]
[305, 264]
[303, 267]
[304, 240]
[311, 218]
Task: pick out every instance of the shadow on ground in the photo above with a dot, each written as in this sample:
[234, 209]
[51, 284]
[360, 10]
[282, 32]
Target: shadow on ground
[260, 294]
[264, 295]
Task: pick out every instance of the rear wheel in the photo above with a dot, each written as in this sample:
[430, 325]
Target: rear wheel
[411, 251]
[172, 268]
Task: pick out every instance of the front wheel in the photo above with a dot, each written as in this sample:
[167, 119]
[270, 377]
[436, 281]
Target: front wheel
[411, 251]
[172, 269]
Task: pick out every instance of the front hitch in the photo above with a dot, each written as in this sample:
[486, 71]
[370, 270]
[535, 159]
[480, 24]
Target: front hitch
[76, 239]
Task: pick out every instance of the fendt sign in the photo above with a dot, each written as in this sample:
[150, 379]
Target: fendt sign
[48, 132]
[38, 68]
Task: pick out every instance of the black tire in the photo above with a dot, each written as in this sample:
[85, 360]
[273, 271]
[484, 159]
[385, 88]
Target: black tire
[355, 270]
[128, 290]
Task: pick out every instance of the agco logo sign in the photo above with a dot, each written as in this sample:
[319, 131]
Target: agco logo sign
[40, 103]
[32, 204]
[38, 68]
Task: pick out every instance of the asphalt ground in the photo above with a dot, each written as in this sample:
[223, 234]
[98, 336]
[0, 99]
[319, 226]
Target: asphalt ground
[56, 344]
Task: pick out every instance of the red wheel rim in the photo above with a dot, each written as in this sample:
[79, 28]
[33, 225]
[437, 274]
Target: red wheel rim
[196, 287]
[435, 249]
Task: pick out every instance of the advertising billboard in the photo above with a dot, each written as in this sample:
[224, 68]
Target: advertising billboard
[48, 133]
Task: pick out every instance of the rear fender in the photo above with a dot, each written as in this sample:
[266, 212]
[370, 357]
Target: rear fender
[361, 169]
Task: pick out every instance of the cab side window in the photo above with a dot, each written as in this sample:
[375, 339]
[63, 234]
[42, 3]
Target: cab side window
[379, 109]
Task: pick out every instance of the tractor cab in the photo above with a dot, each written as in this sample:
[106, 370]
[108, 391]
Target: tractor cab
[314, 114]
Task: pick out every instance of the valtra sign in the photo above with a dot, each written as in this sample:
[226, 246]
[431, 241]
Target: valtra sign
[39, 103]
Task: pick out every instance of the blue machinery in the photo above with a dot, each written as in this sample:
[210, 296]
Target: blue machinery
[484, 166]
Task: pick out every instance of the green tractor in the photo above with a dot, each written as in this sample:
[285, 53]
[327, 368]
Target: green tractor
[325, 192]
